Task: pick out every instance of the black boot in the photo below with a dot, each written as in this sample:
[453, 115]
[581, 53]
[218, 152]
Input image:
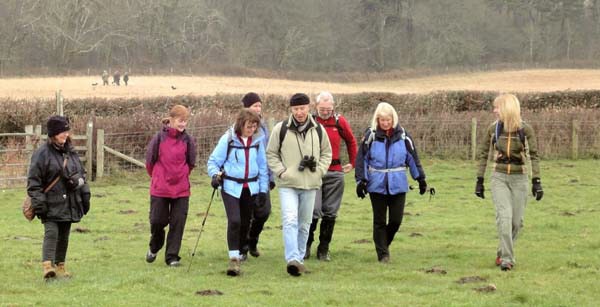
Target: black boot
[311, 237]
[327, 225]
[253, 247]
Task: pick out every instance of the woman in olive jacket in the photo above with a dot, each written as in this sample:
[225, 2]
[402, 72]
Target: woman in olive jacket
[66, 202]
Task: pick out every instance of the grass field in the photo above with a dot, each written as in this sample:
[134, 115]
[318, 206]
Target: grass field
[546, 80]
[558, 262]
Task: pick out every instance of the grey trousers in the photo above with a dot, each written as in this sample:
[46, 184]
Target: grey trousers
[329, 196]
[509, 194]
[56, 241]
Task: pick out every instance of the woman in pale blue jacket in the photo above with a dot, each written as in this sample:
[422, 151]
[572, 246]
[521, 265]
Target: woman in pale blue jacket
[239, 164]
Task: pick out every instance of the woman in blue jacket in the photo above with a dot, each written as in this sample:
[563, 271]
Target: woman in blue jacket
[386, 153]
[239, 164]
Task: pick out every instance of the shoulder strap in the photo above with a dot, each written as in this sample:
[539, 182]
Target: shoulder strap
[500, 127]
[282, 132]
[55, 181]
[156, 147]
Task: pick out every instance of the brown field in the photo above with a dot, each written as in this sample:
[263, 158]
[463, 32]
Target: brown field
[149, 86]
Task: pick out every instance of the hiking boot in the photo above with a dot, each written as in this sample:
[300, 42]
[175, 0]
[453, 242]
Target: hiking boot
[61, 271]
[293, 268]
[385, 259]
[323, 255]
[498, 261]
[174, 263]
[243, 256]
[49, 271]
[150, 257]
[506, 266]
[254, 252]
[234, 267]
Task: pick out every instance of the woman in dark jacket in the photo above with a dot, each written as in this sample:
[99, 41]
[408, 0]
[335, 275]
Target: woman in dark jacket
[170, 158]
[66, 202]
[386, 153]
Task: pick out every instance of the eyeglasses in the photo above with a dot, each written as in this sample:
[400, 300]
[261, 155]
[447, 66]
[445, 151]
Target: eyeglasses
[323, 110]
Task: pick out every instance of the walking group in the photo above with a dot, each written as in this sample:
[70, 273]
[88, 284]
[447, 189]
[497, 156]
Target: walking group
[301, 158]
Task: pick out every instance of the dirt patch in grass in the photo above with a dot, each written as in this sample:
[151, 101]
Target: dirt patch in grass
[470, 279]
[435, 270]
[82, 230]
[361, 241]
[128, 211]
[209, 292]
[488, 288]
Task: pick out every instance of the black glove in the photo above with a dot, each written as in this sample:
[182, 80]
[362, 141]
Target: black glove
[216, 181]
[422, 185]
[479, 188]
[536, 188]
[271, 185]
[261, 199]
[361, 189]
[85, 198]
[40, 210]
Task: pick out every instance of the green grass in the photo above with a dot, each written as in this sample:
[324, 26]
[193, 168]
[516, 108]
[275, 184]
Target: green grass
[558, 259]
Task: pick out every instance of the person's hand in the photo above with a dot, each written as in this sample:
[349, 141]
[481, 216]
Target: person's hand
[261, 199]
[479, 188]
[347, 168]
[361, 189]
[536, 188]
[216, 181]
[40, 210]
[422, 185]
[271, 185]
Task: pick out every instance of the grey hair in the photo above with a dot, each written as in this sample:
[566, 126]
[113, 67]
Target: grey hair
[325, 95]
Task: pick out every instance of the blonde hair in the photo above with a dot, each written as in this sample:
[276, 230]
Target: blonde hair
[177, 111]
[384, 109]
[509, 111]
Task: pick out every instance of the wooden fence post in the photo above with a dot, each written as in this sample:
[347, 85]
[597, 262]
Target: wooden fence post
[29, 138]
[99, 153]
[473, 138]
[575, 140]
[271, 123]
[89, 145]
[59, 103]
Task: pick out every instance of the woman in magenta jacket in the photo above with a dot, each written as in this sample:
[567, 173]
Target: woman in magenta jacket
[170, 158]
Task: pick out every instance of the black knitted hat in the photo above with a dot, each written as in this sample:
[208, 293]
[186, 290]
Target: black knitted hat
[250, 99]
[299, 99]
[57, 124]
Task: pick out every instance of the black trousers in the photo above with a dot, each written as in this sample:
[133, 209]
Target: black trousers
[384, 229]
[258, 218]
[172, 212]
[238, 218]
[56, 241]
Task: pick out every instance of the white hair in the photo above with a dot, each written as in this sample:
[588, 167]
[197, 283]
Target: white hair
[325, 95]
[384, 109]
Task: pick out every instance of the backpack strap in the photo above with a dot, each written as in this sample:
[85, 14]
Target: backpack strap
[284, 128]
[156, 147]
[500, 127]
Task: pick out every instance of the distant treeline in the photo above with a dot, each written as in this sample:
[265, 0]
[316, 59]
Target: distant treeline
[242, 37]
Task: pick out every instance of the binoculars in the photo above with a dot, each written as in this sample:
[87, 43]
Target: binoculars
[308, 162]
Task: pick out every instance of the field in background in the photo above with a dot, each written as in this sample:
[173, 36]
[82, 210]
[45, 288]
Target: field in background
[452, 235]
[150, 86]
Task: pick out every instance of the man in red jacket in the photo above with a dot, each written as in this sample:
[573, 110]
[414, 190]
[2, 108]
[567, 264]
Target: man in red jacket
[329, 197]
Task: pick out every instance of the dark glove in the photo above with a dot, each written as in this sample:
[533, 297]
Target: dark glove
[479, 188]
[85, 198]
[261, 199]
[361, 189]
[536, 188]
[271, 185]
[422, 185]
[40, 210]
[216, 181]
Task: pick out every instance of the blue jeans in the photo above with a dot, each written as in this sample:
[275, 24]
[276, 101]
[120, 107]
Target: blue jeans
[296, 215]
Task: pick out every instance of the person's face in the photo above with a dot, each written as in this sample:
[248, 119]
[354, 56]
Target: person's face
[385, 122]
[300, 113]
[178, 123]
[256, 108]
[497, 111]
[61, 138]
[325, 108]
[249, 129]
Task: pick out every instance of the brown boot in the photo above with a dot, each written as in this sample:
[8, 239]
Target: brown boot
[234, 267]
[61, 271]
[49, 271]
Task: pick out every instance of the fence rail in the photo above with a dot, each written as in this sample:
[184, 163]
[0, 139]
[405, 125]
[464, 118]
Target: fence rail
[456, 139]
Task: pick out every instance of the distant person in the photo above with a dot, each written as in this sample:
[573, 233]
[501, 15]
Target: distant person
[299, 155]
[239, 164]
[511, 139]
[117, 78]
[259, 214]
[386, 154]
[55, 167]
[329, 197]
[126, 78]
[170, 158]
[105, 78]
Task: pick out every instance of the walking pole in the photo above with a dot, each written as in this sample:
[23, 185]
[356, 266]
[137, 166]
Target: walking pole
[201, 228]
